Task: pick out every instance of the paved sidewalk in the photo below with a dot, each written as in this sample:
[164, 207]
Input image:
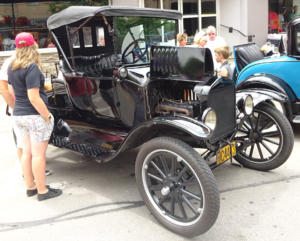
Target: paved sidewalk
[102, 202]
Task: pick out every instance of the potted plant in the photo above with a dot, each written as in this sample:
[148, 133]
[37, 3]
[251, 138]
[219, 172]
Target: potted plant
[7, 19]
[20, 21]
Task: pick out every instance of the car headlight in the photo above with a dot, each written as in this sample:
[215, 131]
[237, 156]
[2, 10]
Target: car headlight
[210, 118]
[123, 72]
[246, 105]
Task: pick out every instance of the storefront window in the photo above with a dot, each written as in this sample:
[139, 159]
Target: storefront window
[32, 17]
[170, 4]
[197, 14]
[279, 14]
[190, 26]
[208, 6]
[6, 28]
[208, 21]
[190, 7]
[152, 4]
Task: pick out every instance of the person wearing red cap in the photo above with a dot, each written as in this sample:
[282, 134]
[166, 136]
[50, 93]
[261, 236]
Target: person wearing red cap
[10, 101]
[31, 114]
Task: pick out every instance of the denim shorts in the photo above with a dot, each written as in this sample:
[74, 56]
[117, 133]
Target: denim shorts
[35, 126]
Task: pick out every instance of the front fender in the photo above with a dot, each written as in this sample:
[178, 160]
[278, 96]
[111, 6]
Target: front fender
[267, 82]
[260, 95]
[166, 125]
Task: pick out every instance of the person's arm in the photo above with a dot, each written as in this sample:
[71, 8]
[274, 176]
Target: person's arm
[224, 72]
[4, 90]
[37, 102]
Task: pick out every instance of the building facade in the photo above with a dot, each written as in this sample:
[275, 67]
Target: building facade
[249, 17]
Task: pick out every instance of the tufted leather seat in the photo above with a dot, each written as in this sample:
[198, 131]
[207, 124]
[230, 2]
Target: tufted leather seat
[247, 54]
[91, 66]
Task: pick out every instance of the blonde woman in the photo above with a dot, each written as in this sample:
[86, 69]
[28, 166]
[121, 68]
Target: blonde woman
[31, 114]
[200, 39]
[182, 39]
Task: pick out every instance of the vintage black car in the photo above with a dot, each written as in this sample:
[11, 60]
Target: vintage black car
[122, 83]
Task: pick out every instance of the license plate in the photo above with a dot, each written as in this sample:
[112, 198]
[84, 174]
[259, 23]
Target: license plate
[224, 154]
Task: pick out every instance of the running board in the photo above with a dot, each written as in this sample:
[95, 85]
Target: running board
[100, 154]
[296, 119]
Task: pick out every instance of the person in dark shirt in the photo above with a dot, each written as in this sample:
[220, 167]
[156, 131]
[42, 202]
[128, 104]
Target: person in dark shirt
[31, 114]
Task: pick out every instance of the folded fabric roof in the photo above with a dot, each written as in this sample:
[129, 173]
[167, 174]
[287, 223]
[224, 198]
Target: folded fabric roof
[75, 13]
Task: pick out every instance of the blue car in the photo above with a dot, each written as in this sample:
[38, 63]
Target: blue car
[265, 76]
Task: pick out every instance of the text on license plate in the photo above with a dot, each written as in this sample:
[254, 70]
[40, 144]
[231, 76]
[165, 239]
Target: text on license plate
[224, 154]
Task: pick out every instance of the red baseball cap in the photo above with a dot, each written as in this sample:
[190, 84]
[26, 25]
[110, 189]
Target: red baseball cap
[24, 37]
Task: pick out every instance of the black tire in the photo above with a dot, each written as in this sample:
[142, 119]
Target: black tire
[282, 142]
[181, 157]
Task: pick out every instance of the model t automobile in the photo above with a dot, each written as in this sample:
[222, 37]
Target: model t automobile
[122, 83]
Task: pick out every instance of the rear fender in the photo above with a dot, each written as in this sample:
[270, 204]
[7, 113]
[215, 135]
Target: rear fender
[169, 126]
[270, 82]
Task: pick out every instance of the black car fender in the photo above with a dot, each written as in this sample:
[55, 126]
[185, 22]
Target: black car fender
[266, 84]
[261, 95]
[194, 130]
[188, 129]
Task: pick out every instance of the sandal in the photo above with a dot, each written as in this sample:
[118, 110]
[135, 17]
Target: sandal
[50, 194]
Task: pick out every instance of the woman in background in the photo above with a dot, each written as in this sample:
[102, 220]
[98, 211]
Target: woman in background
[182, 39]
[200, 39]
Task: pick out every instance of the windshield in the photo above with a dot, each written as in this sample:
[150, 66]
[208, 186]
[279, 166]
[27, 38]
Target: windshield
[136, 34]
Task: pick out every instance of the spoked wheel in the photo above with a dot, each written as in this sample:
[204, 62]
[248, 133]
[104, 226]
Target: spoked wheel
[271, 136]
[177, 186]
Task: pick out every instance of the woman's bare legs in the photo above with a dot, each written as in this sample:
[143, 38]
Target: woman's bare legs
[38, 150]
[19, 153]
[26, 163]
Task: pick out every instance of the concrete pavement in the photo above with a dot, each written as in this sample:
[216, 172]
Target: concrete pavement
[102, 202]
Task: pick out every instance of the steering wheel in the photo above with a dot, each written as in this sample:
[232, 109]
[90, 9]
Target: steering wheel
[137, 52]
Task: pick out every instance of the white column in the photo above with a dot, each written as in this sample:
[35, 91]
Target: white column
[258, 20]
[248, 16]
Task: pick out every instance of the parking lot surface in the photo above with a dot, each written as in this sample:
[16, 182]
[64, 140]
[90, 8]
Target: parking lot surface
[102, 202]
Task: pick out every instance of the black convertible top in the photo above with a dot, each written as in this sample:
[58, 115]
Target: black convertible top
[75, 13]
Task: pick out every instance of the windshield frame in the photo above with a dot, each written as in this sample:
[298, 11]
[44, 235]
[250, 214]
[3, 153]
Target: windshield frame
[115, 37]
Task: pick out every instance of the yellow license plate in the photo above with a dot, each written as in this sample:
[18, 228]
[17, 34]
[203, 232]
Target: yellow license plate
[224, 154]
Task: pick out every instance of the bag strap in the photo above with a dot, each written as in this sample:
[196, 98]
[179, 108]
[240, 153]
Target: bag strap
[7, 111]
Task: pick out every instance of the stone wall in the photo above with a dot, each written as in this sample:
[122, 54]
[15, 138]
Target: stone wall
[48, 59]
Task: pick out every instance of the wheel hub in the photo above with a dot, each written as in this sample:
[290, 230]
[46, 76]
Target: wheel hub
[165, 191]
[171, 185]
[255, 136]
